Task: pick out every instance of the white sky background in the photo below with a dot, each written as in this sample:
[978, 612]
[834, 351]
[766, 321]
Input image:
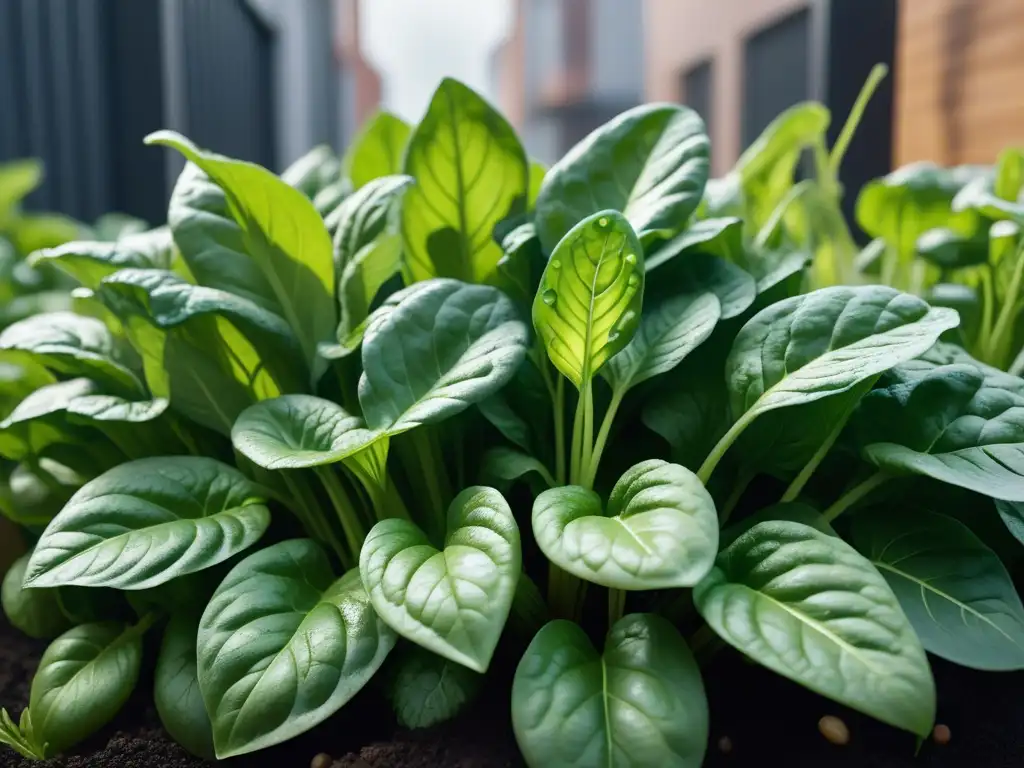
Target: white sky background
[414, 43]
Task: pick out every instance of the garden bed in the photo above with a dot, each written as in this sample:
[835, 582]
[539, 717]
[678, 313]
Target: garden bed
[775, 723]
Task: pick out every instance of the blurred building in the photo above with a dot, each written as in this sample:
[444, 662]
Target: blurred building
[739, 63]
[568, 66]
[959, 76]
[83, 81]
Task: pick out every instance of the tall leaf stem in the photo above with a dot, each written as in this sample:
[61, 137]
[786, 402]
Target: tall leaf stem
[855, 494]
[346, 511]
[616, 605]
[730, 437]
[602, 436]
[305, 508]
[559, 416]
[1007, 311]
[875, 77]
[429, 474]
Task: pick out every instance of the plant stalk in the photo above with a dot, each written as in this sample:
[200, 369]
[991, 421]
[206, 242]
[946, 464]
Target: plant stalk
[742, 481]
[855, 494]
[875, 77]
[730, 437]
[616, 605]
[559, 415]
[1007, 310]
[429, 474]
[350, 522]
[602, 437]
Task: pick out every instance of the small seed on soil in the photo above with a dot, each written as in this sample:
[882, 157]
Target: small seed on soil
[834, 729]
[941, 734]
[725, 745]
[323, 760]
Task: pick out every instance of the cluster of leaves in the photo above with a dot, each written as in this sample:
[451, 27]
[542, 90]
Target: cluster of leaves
[268, 429]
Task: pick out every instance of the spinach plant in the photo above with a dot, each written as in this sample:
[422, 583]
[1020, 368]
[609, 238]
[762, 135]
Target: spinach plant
[308, 440]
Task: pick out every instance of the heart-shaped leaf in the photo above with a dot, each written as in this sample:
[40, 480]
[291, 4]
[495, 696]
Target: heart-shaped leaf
[471, 173]
[455, 601]
[283, 645]
[588, 305]
[434, 349]
[36, 612]
[283, 234]
[72, 345]
[211, 242]
[650, 162]
[297, 431]
[660, 530]
[176, 693]
[825, 342]
[377, 150]
[426, 689]
[667, 334]
[146, 522]
[84, 678]
[955, 591]
[639, 703]
[808, 606]
[956, 423]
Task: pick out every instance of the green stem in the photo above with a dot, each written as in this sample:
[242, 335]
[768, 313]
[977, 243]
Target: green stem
[565, 593]
[764, 235]
[730, 437]
[878, 73]
[1006, 311]
[582, 434]
[185, 437]
[428, 471]
[602, 436]
[311, 520]
[616, 605]
[559, 415]
[742, 481]
[988, 302]
[350, 522]
[819, 455]
[855, 494]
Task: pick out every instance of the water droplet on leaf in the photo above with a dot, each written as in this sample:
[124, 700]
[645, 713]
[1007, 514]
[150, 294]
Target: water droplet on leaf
[602, 222]
[549, 297]
[633, 281]
[556, 264]
[631, 258]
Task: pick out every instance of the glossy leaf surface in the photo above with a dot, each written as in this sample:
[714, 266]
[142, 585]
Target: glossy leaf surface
[179, 701]
[454, 601]
[639, 703]
[808, 606]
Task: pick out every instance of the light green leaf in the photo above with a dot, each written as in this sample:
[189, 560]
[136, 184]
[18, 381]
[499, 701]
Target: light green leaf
[83, 680]
[211, 242]
[18, 178]
[283, 234]
[36, 612]
[377, 150]
[176, 693]
[39, 420]
[955, 591]
[283, 645]
[650, 162]
[537, 173]
[298, 431]
[252, 338]
[148, 521]
[956, 423]
[808, 606]
[434, 349]
[314, 171]
[660, 530]
[72, 345]
[453, 602]
[89, 262]
[471, 173]
[427, 689]
[589, 302]
[825, 342]
[667, 334]
[640, 703]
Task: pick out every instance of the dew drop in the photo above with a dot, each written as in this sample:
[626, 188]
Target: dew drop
[548, 297]
[631, 258]
[603, 221]
[556, 264]
[633, 281]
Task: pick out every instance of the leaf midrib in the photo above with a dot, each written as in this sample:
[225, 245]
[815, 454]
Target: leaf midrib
[925, 585]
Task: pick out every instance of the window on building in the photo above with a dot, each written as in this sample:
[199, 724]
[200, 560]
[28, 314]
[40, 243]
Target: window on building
[697, 88]
[775, 72]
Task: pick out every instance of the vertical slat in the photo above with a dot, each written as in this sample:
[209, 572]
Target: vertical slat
[35, 106]
[64, 122]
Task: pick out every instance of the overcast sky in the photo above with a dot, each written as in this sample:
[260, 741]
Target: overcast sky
[414, 43]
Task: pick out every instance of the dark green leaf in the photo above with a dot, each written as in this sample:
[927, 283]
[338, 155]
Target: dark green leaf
[36, 612]
[428, 689]
[179, 701]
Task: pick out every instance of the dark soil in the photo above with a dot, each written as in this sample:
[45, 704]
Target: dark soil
[767, 720]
